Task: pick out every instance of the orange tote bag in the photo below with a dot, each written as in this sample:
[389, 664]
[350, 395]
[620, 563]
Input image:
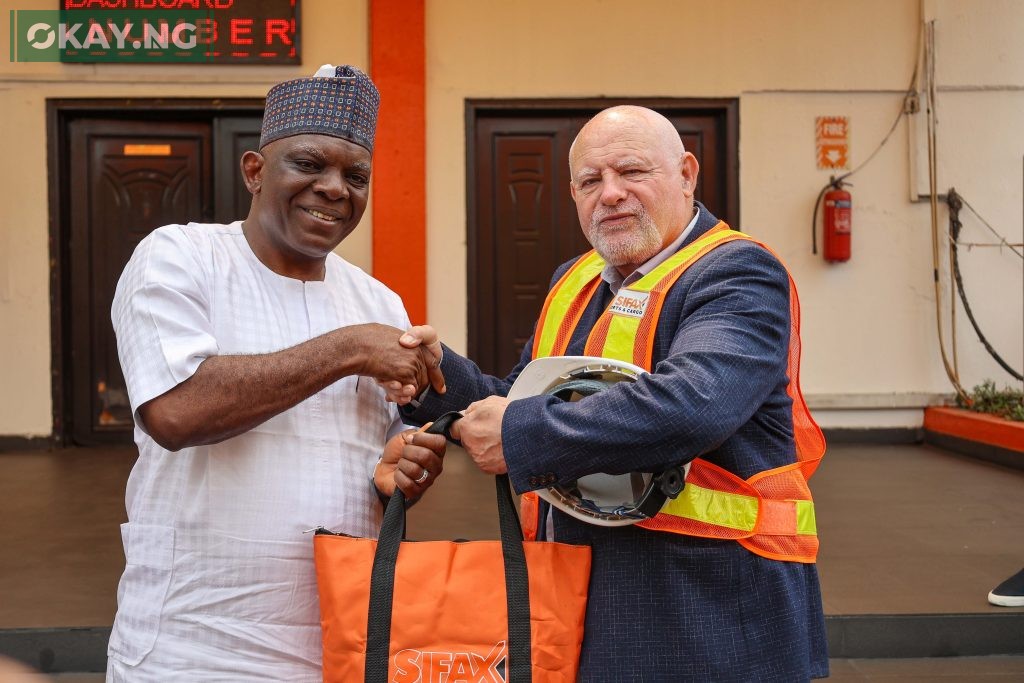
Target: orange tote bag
[396, 611]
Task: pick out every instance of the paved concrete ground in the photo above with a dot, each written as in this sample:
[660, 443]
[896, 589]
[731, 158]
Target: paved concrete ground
[906, 530]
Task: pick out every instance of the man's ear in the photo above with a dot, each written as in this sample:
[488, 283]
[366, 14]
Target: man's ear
[689, 169]
[252, 165]
[572, 190]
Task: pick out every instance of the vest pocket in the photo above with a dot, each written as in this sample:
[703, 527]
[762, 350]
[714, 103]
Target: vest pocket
[149, 558]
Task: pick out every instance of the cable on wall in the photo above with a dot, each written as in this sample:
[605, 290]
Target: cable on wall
[1002, 240]
[951, 368]
[955, 203]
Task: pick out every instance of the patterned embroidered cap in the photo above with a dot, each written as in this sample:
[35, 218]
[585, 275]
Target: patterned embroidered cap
[338, 101]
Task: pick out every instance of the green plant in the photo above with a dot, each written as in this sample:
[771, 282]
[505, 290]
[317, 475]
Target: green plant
[1007, 403]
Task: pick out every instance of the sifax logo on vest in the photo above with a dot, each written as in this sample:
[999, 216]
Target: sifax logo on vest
[417, 666]
[630, 302]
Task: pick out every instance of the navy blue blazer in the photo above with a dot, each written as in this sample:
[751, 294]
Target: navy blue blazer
[667, 607]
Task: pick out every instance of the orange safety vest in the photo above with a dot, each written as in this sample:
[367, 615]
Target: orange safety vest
[771, 513]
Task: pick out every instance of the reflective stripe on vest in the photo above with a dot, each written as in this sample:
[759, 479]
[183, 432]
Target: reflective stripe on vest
[560, 314]
[770, 514]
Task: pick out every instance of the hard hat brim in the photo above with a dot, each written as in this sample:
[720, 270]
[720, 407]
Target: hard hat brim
[601, 499]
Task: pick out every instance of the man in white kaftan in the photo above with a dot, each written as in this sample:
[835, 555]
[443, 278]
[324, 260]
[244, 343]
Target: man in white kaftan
[250, 352]
[204, 519]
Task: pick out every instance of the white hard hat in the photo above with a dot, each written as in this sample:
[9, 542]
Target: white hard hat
[602, 499]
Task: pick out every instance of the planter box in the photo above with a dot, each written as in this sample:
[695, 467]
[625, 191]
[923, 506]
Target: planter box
[977, 434]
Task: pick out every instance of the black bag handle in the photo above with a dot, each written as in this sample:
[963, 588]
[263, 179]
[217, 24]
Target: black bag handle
[518, 660]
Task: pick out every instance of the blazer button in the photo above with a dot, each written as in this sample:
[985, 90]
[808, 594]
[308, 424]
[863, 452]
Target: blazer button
[534, 482]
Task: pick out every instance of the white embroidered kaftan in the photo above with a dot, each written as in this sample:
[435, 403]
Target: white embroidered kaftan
[219, 582]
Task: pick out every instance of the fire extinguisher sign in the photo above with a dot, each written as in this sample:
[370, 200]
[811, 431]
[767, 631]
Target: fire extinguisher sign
[832, 138]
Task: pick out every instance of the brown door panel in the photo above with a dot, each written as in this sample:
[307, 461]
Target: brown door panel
[524, 230]
[128, 178]
[232, 137]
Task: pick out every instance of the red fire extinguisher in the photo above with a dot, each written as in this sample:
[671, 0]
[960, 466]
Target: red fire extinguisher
[836, 223]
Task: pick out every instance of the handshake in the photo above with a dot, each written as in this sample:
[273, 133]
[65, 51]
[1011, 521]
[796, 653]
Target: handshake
[415, 365]
[412, 460]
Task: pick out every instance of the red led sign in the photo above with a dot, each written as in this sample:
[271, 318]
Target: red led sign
[194, 31]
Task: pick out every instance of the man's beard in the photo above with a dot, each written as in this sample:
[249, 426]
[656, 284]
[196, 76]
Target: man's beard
[634, 243]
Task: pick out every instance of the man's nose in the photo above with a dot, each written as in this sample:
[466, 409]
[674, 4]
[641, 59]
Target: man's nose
[331, 184]
[613, 190]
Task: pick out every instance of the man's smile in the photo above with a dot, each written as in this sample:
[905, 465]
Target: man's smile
[329, 217]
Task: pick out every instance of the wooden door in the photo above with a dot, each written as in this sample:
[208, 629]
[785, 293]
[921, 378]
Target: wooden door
[124, 177]
[127, 178]
[522, 220]
[232, 137]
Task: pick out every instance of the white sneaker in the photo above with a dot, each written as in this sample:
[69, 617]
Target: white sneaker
[1009, 593]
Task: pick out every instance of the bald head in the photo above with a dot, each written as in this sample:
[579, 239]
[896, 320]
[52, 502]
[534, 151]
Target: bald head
[633, 184]
[628, 119]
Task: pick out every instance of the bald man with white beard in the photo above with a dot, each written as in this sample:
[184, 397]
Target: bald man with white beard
[663, 606]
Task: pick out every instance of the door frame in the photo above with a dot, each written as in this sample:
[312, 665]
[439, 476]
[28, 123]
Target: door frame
[726, 107]
[60, 112]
